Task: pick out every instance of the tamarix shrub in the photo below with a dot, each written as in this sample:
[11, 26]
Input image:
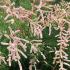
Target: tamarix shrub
[34, 34]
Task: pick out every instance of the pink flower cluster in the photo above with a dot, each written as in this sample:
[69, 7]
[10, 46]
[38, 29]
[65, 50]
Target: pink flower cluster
[19, 12]
[61, 57]
[13, 47]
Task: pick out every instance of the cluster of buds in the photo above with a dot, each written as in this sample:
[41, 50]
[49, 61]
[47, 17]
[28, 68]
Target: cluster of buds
[61, 57]
[18, 12]
[34, 46]
[35, 50]
[13, 47]
[32, 64]
[36, 29]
